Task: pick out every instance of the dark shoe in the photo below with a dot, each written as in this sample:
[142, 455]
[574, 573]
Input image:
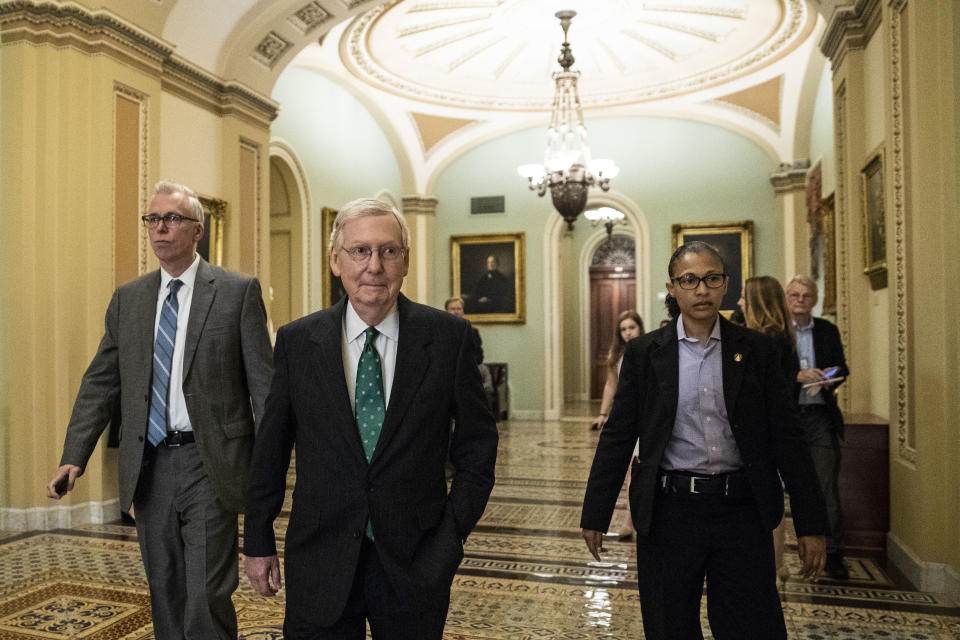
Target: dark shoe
[836, 568]
[626, 536]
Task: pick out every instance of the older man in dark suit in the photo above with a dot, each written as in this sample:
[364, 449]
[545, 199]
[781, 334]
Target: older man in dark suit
[711, 408]
[367, 390]
[823, 368]
[185, 361]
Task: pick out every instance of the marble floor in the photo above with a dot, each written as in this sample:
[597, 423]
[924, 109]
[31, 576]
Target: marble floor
[526, 573]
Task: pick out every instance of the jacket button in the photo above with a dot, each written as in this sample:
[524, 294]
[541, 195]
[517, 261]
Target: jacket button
[370, 489]
[140, 438]
[357, 533]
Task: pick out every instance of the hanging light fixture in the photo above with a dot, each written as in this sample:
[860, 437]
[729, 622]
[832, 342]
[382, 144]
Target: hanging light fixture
[568, 170]
[607, 216]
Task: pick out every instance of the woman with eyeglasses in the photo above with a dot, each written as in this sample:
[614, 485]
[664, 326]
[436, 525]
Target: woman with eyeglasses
[711, 408]
[764, 307]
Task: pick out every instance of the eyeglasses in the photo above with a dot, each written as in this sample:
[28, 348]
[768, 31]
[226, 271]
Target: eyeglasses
[172, 220]
[801, 296]
[387, 254]
[690, 281]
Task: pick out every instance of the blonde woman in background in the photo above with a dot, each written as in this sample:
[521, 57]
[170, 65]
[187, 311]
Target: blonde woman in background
[764, 307]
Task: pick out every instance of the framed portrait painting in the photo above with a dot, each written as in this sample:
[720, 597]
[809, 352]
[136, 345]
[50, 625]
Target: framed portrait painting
[332, 285]
[210, 247]
[488, 273]
[734, 241]
[874, 221]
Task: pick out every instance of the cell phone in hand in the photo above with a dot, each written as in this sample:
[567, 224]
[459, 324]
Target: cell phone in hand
[61, 485]
[832, 371]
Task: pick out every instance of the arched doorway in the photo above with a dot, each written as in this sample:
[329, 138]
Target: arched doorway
[613, 289]
[288, 266]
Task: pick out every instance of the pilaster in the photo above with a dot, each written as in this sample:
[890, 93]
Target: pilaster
[420, 212]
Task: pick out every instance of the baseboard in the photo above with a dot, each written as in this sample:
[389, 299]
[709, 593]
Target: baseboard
[525, 414]
[935, 577]
[59, 516]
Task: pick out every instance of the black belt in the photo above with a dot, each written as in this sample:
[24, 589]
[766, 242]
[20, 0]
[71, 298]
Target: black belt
[176, 438]
[725, 484]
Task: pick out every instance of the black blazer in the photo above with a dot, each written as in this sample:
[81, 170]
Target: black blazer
[828, 351]
[762, 417]
[419, 527]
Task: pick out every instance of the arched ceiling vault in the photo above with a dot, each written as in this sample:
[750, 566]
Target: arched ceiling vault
[447, 75]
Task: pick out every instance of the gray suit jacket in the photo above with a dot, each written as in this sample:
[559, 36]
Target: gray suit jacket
[419, 525]
[227, 362]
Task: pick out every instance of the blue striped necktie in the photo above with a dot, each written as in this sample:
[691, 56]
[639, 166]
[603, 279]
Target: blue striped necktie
[162, 363]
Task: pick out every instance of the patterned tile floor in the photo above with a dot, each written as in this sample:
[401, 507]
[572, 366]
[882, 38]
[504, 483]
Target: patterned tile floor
[526, 573]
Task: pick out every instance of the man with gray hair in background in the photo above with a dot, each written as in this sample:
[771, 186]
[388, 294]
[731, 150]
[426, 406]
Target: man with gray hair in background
[367, 391]
[185, 363]
[823, 368]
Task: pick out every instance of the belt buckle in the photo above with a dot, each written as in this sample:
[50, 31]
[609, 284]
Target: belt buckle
[174, 440]
[693, 485]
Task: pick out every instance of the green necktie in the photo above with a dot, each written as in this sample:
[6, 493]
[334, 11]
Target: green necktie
[370, 407]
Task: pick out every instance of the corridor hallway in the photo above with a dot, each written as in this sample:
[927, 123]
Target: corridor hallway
[525, 574]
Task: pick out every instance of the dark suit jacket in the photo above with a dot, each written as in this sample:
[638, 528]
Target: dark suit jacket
[227, 366]
[828, 352]
[762, 417]
[419, 527]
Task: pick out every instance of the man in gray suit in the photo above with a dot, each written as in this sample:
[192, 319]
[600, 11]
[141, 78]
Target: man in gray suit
[185, 362]
[367, 390]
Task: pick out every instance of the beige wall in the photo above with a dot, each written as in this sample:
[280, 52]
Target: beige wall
[60, 131]
[895, 91]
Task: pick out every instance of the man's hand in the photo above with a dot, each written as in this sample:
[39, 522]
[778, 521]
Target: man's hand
[809, 376]
[264, 574]
[65, 477]
[813, 555]
[594, 540]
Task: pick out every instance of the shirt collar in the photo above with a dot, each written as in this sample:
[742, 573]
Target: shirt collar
[807, 327]
[682, 335]
[188, 277]
[354, 326]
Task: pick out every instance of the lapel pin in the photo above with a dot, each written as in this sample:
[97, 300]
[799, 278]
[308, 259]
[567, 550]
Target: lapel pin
[737, 357]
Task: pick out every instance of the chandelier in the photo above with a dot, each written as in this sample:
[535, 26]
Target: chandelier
[607, 216]
[568, 170]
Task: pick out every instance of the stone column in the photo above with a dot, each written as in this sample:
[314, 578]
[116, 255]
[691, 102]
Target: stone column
[420, 212]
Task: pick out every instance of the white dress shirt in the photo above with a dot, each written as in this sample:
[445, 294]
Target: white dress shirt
[353, 339]
[177, 417]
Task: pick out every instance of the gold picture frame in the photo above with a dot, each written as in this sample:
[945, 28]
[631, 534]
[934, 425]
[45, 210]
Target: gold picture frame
[332, 286]
[828, 215]
[874, 218]
[734, 241]
[489, 274]
[210, 247]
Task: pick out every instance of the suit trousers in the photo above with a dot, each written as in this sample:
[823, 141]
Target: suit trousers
[373, 599]
[824, 444]
[696, 536]
[189, 544]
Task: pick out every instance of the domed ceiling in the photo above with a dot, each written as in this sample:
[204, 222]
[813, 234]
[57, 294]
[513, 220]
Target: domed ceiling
[499, 54]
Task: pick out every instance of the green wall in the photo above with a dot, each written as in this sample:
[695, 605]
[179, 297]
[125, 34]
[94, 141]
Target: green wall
[675, 171]
[344, 152]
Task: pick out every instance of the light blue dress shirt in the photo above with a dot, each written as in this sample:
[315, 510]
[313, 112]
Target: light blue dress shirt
[702, 441]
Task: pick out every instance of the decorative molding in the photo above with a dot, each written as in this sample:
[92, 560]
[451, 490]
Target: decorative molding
[309, 17]
[906, 452]
[419, 205]
[617, 251]
[258, 205]
[271, 49]
[101, 32]
[790, 176]
[747, 113]
[283, 150]
[796, 21]
[934, 577]
[143, 246]
[850, 28]
[842, 220]
[59, 516]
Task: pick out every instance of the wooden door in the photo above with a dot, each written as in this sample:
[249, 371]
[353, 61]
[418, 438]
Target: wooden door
[612, 291]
